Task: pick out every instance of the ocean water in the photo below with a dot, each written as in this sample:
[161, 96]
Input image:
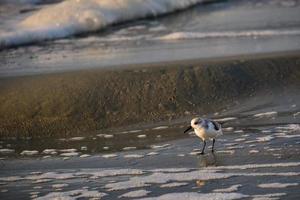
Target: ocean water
[46, 36]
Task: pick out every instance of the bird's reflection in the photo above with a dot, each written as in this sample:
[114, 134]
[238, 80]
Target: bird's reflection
[207, 160]
[200, 183]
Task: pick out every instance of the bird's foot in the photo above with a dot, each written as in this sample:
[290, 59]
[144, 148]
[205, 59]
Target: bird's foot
[202, 152]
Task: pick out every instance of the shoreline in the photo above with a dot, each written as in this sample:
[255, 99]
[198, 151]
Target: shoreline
[183, 63]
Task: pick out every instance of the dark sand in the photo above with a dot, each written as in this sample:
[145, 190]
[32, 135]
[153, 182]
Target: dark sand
[85, 101]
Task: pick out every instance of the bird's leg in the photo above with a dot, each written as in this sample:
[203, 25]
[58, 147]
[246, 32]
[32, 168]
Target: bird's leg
[213, 144]
[204, 144]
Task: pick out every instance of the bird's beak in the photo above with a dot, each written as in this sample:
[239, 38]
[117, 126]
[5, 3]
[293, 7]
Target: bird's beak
[189, 128]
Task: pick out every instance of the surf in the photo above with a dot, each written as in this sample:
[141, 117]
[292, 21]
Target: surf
[77, 17]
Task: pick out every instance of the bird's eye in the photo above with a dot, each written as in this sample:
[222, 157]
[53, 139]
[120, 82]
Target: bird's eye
[196, 123]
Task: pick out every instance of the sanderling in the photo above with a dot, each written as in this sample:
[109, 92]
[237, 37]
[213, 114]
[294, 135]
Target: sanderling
[205, 129]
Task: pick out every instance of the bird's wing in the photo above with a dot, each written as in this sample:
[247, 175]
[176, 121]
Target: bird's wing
[216, 125]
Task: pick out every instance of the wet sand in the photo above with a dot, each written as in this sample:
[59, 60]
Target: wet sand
[80, 102]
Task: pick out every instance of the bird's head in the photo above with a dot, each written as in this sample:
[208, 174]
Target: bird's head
[195, 123]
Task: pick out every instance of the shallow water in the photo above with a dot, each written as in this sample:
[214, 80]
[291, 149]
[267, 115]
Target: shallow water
[260, 157]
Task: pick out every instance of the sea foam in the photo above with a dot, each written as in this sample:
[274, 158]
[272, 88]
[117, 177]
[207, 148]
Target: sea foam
[80, 16]
[229, 34]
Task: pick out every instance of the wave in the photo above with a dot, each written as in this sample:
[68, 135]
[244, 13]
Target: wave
[248, 33]
[80, 16]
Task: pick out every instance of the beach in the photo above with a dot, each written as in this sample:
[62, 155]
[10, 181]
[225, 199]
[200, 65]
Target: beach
[95, 105]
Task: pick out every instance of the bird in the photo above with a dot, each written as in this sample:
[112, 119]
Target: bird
[206, 129]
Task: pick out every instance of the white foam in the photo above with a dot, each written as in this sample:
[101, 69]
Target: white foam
[11, 178]
[174, 184]
[42, 181]
[238, 131]
[171, 170]
[157, 28]
[229, 34]
[34, 193]
[253, 151]
[142, 136]
[107, 136]
[134, 131]
[71, 154]
[274, 149]
[266, 114]
[160, 146]
[94, 174]
[289, 136]
[240, 140]
[235, 147]
[288, 3]
[46, 157]
[49, 176]
[50, 151]
[109, 155]
[60, 185]
[267, 196]
[73, 194]
[265, 138]
[290, 127]
[85, 155]
[160, 128]
[129, 148]
[152, 153]
[75, 16]
[277, 185]
[83, 148]
[253, 166]
[6, 151]
[68, 150]
[232, 188]
[226, 151]
[296, 114]
[197, 196]
[195, 153]
[135, 194]
[29, 153]
[228, 129]
[77, 138]
[91, 173]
